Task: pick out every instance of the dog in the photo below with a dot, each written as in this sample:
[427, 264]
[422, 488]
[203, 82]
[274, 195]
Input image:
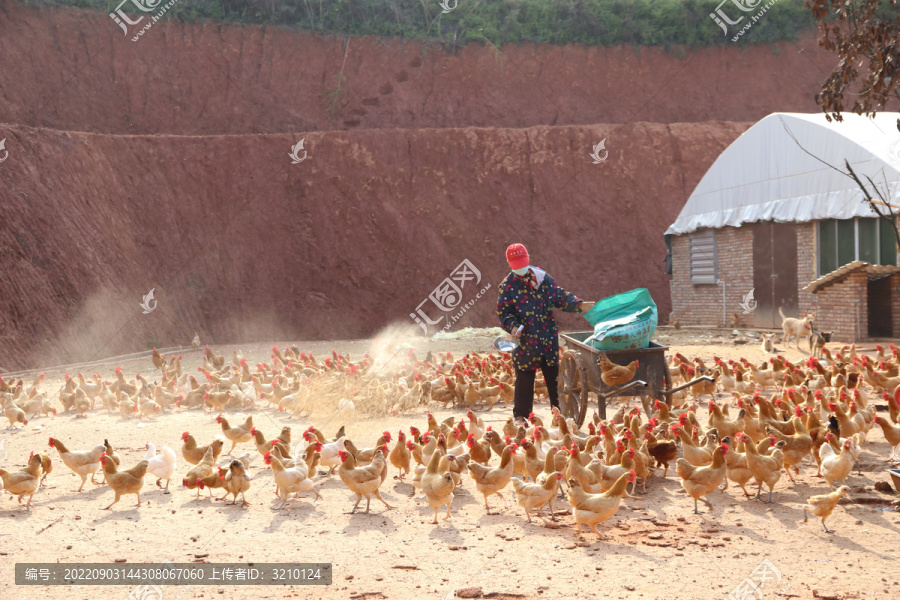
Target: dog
[795, 328]
[817, 341]
[768, 343]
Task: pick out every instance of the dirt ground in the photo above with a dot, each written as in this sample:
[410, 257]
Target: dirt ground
[657, 547]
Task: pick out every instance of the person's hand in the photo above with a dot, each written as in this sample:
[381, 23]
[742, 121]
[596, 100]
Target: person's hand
[517, 333]
[586, 306]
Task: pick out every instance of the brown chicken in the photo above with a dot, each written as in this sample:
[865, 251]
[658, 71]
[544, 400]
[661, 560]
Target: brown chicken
[723, 426]
[217, 401]
[126, 405]
[697, 455]
[46, 464]
[362, 481]
[83, 463]
[700, 481]
[550, 467]
[365, 456]
[217, 360]
[662, 452]
[822, 506]
[438, 486]
[532, 496]
[124, 482]
[262, 444]
[237, 434]
[615, 375]
[893, 402]
[593, 509]
[533, 464]
[766, 469]
[400, 455]
[796, 446]
[158, 360]
[215, 480]
[479, 450]
[490, 480]
[891, 434]
[203, 469]
[237, 482]
[14, 414]
[123, 385]
[194, 453]
[111, 452]
[736, 468]
[149, 408]
[24, 482]
[82, 403]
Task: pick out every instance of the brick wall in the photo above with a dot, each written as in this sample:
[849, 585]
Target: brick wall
[895, 305]
[806, 265]
[702, 304]
[842, 308]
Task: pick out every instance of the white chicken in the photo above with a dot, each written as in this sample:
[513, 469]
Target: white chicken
[836, 467]
[347, 409]
[162, 465]
[291, 480]
[330, 454]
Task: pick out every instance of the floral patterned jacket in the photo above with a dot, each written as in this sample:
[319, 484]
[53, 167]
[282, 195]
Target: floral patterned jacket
[519, 304]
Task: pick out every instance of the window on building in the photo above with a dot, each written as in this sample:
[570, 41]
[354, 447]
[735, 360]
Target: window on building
[845, 240]
[703, 257]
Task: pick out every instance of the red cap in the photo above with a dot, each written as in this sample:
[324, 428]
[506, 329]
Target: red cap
[517, 257]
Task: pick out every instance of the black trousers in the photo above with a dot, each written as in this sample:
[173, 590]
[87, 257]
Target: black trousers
[523, 396]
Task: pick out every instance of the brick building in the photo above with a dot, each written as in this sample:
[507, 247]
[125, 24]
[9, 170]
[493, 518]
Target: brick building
[770, 217]
[858, 301]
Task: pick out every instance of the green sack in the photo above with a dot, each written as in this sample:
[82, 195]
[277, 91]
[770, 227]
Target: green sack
[624, 321]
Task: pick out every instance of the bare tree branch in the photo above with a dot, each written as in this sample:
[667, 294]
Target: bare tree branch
[880, 206]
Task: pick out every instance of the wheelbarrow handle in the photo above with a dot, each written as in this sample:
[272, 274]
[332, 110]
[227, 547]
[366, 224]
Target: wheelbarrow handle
[687, 385]
[624, 388]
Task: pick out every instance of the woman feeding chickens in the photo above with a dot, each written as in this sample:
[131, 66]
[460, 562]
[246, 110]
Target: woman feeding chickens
[525, 306]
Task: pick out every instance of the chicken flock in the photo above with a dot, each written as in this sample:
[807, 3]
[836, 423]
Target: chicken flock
[779, 415]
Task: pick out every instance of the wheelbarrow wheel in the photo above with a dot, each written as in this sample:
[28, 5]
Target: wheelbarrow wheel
[573, 388]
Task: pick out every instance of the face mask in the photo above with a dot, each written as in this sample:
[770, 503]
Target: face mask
[521, 271]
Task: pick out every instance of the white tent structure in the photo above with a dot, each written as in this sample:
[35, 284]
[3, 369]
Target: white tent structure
[777, 171]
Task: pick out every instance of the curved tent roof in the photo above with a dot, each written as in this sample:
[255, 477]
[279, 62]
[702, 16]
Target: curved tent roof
[764, 175]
